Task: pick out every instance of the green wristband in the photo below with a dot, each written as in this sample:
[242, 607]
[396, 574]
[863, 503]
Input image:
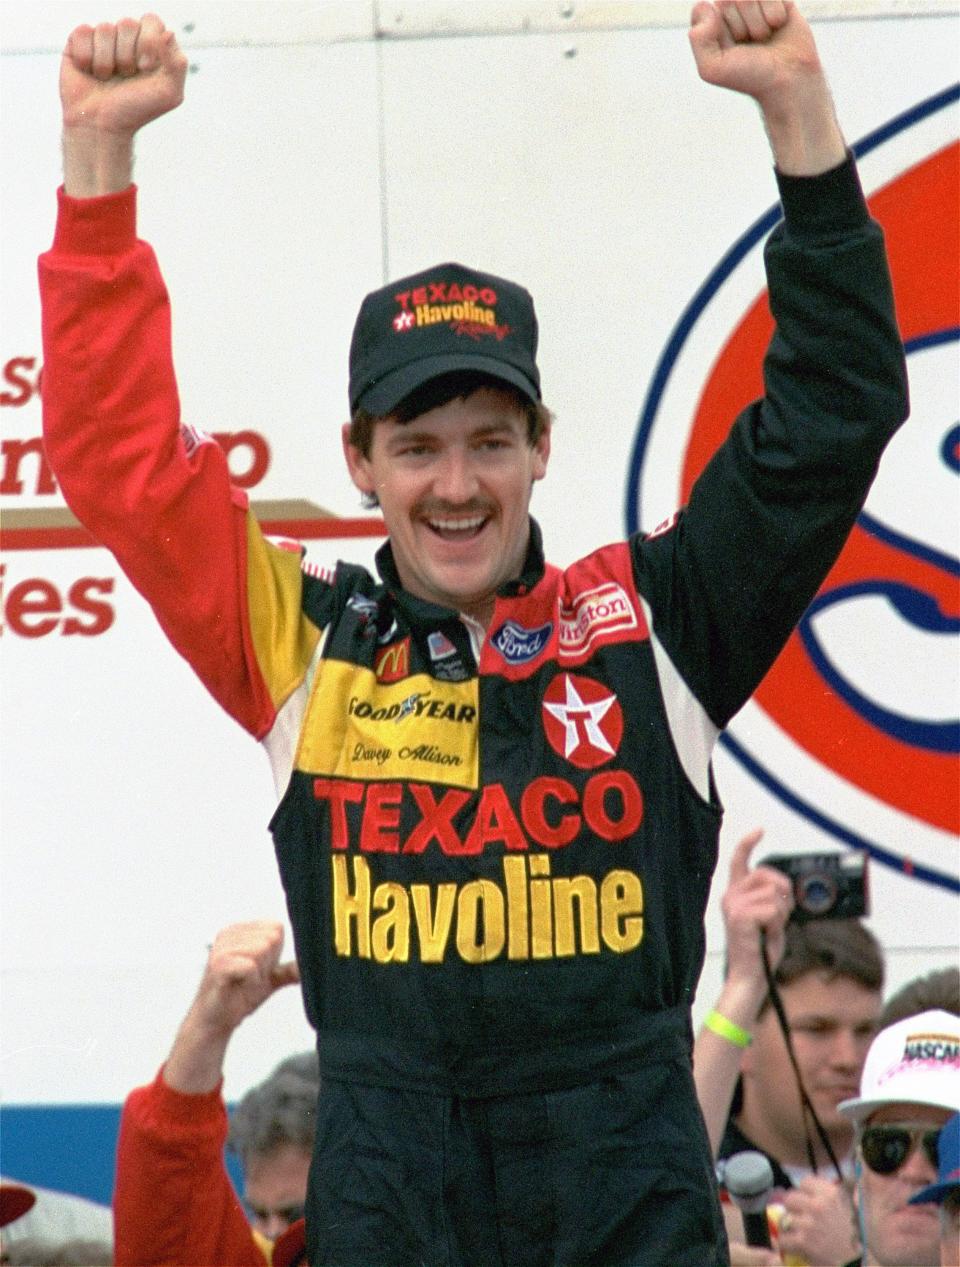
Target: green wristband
[718, 1024]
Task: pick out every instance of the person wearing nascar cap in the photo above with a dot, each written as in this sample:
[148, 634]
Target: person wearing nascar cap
[909, 1088]
[946, 1191]
[15, 1200]
[498, 820]
[59, 1222]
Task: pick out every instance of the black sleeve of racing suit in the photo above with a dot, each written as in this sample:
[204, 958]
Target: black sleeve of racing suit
[772, 509]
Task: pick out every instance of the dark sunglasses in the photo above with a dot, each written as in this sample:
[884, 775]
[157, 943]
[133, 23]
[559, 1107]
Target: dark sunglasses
[286, 1214]
[885, 1148]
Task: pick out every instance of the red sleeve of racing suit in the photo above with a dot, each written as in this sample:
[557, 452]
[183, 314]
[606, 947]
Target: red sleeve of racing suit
[174, 1204]
[157, 495]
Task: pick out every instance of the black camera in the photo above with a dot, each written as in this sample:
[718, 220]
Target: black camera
[825, 885]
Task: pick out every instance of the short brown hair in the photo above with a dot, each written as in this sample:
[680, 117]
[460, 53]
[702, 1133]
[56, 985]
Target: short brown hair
[834, 948]
[438, 391]
[938, 990]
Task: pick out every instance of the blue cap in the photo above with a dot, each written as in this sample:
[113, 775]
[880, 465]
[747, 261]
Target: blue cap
[948, 1151]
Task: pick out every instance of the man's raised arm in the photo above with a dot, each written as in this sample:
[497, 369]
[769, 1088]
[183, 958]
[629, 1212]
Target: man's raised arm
[114, 78]
[767, 517]
[148, 488]
[765, 49]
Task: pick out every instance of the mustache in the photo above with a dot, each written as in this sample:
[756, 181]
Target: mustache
[432, 508]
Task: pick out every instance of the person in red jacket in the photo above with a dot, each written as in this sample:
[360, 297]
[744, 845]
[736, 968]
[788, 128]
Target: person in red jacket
[174, 1203]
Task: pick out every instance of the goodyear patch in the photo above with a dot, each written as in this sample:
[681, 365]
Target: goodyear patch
[359, 727]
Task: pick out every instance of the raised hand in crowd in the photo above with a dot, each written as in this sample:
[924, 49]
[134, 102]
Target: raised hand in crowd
[243, 970]
[754, 900]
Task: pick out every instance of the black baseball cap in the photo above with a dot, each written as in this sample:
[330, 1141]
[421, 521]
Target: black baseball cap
[446, 318]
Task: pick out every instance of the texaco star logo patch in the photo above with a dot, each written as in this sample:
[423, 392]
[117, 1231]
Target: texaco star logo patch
[582, 719]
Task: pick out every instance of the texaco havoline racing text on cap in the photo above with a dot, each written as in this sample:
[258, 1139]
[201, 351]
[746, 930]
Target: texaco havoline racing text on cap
[446, 318]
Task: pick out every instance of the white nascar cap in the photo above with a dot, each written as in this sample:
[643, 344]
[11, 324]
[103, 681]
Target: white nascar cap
[915, 1061]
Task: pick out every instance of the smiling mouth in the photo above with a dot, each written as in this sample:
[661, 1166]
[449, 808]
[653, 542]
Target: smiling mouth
[460, 529]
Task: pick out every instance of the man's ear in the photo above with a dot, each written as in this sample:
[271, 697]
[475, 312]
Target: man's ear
[541, 454]
[357, 464]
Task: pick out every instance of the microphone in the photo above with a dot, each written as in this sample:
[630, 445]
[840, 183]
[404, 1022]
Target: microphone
[748, 1178]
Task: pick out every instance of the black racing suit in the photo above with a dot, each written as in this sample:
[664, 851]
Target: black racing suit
[496, 853]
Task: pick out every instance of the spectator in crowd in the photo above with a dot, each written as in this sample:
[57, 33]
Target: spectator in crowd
[830, 976]
[55, 1219]
[946, 1192]
[909, 1088]
[272, 1131]
[754, 900]
[174, 1203]
[937, 990]
[15, 1200]
[35, 1251]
